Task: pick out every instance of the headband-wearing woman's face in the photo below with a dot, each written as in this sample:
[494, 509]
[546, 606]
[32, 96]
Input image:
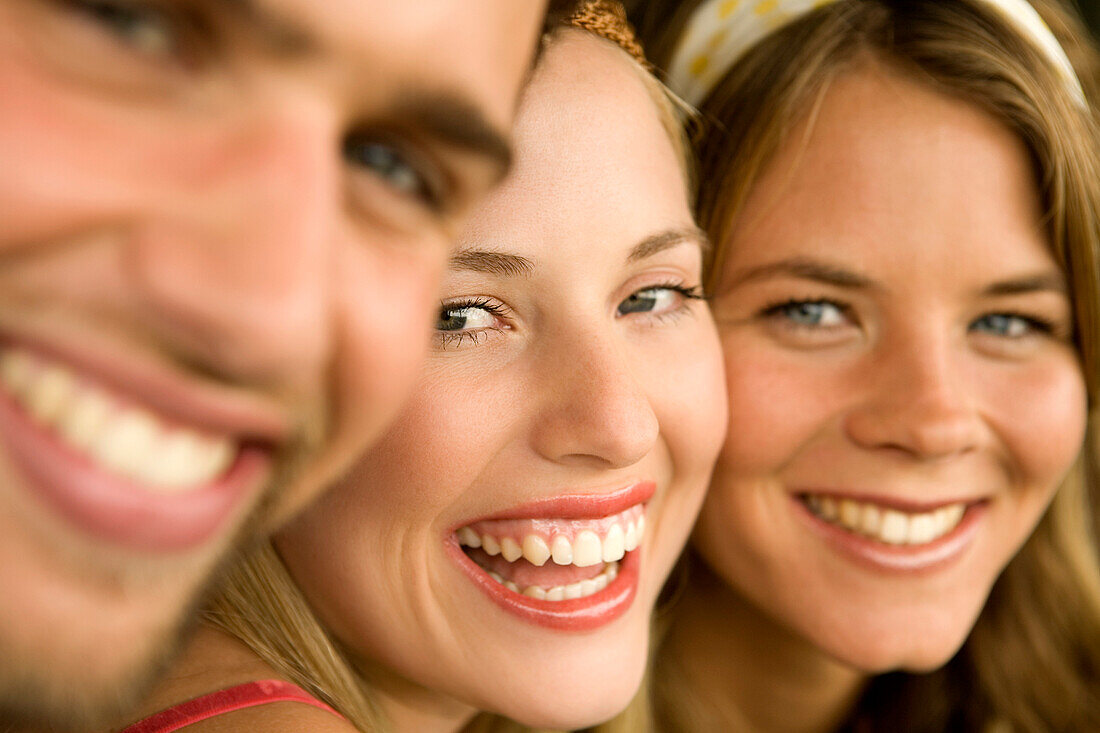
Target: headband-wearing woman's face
[905, 396]
[505, 544]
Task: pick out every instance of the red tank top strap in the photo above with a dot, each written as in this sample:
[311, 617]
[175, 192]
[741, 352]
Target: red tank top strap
[224, 701]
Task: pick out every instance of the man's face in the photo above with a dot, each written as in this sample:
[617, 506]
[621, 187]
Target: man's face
[222, 224]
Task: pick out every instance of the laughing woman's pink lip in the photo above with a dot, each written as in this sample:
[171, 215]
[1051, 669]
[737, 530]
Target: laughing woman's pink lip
[576, 506]
[579, 614]
[599, 515]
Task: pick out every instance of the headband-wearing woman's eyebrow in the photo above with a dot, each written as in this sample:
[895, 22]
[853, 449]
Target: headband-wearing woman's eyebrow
[804, 268]
[1043, 282]
[491, 263]
[655, 243]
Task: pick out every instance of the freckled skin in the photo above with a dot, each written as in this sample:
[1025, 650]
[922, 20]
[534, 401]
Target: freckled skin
[189, 206]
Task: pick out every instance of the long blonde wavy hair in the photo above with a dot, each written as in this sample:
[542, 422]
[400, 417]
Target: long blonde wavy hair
[1032, 662]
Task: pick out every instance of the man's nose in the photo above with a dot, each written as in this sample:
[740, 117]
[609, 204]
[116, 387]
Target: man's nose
[236, 260]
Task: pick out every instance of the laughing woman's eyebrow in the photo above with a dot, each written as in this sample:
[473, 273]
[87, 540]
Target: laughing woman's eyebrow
[491, 263]
[661, 241]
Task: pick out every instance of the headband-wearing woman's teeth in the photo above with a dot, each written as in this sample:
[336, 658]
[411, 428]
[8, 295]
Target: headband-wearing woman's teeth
[581, 543]
[890, 526]
[120, 438]
[568, 592]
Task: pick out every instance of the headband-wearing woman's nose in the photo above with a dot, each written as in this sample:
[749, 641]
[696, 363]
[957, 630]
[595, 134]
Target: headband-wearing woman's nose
[917, 401]
[594, 410]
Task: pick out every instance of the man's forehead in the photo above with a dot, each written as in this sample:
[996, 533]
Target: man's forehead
[392, 26]
[478, 48]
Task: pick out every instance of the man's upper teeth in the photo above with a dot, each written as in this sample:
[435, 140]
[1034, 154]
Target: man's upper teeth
[607, 541]
[891, 526]
[121, 438]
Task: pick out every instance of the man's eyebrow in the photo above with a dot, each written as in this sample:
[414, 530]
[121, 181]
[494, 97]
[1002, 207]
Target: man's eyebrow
[655, 243]
[803, 268]
[444, 115]
[491, 263]
[455, 121]
[283, 36]
[1037, 283]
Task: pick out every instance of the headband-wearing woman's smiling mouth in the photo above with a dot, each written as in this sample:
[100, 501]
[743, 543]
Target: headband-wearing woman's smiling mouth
[888, 535]
[570, 564]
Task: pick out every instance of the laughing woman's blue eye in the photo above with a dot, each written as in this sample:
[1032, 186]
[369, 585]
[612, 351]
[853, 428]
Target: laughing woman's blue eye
[809, 313]
[465, 317]
[660, 299]
[470, 320]
[392, 166]
[1008, 325]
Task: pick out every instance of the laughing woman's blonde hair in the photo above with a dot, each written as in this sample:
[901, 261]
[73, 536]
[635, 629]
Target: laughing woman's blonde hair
[258, 601]
[1032, 662]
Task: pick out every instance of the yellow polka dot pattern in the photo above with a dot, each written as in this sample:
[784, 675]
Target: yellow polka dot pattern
[719, 32]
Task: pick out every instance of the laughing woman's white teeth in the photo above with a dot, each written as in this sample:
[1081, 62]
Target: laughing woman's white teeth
[581, 543]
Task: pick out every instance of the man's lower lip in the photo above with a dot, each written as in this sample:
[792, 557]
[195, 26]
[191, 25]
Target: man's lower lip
[874, 555]
[114, 509]
[580, 614]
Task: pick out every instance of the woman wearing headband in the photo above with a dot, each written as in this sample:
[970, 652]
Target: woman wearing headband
[501, 550]
[901, 532]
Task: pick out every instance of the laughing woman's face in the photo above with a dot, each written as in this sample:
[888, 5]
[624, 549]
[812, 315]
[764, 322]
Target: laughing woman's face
[503, 548]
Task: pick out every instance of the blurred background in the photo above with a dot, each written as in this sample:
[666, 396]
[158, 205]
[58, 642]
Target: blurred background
[1091, 9]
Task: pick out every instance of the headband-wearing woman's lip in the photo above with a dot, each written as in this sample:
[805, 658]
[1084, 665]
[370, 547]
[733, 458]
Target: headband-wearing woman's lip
[916, 559]
[579, 614]
[574, 506]
[889, 501]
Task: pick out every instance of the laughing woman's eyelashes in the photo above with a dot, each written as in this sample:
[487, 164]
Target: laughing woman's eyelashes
[469, 320]
[665, 300]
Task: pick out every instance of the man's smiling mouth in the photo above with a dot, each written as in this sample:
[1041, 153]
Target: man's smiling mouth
[119, 438]
[100, 455]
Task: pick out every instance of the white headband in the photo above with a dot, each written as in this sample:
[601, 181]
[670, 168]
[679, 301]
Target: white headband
[719, 32]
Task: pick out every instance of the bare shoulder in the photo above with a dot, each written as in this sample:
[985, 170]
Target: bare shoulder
[276, 717]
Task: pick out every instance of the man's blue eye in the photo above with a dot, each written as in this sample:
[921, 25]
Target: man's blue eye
[147, 29]
[391, 166]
